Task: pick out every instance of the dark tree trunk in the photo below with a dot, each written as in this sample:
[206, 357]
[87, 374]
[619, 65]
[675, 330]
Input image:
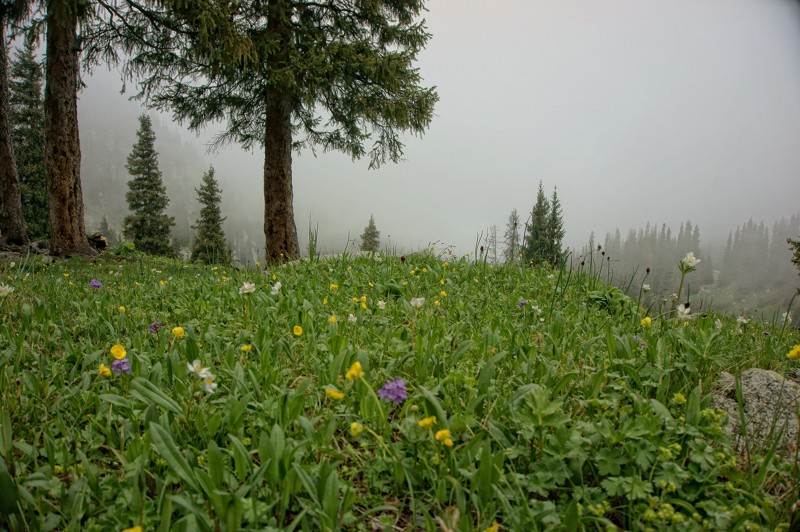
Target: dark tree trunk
[12, 225]
[279, 227]
[62, 158]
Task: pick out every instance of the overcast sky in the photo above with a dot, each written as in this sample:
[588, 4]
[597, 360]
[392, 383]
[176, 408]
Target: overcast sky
[637, 110]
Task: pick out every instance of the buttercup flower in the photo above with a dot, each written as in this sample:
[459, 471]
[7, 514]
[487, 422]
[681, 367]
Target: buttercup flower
[794, 354]
[394, 391]
[332, 319]
[647, 321]
[246, 348]
[104, 371]
[356, 428]
[333, 287]
[121, 309]
[297, 330]
[417, 302]
[443, 436]
[426, 423]
[179, 333]
[120, 366]
[443, 293]
[5, 290]
[247, 288]
[355, 372]
[118, 352]
[94, 283]
[136, 528]
[333, 393]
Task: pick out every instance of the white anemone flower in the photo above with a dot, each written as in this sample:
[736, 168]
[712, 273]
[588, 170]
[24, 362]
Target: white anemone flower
[247, 288]
[381, 304]
[684, 311]
[5, 290]
[208, 382]
[352, 319]
[690, 261]
[417, 302]
[646, 287]
[276, 288]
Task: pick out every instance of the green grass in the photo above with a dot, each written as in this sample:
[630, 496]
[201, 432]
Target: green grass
[564, 413]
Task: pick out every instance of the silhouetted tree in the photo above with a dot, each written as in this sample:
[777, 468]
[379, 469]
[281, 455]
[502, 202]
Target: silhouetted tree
[147, 225]
[209, 244]
[536, 247]
[555, 231]
[794, 247]
[511, 237]
[370, 238]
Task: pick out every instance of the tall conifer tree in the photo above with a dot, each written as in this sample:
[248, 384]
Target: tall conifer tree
[555, 230]
[511, 238]
[536, 239]
[370, 238]
[147, 226]
[209, 244]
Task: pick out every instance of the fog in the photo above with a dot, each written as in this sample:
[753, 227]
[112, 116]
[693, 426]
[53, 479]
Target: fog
[637, 112]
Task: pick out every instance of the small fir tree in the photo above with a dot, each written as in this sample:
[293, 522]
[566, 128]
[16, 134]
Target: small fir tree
[26, 115]
[370, 238]
[555, 231]
[209, 243]
[147, 226]
[536, 239]
[106, 231]
[511, 239]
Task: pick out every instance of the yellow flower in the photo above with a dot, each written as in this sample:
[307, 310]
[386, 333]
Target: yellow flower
[118, 352]
[355, 372]
[494, 528]
[104, 371]
[356, 428]
[136, 528]
[121, 310]
[443, 436]
[355, 300]
[437, 303]
[333, 393]
[424, 270]
[274, 277]
[443, 293]
[66, 274]
[794, 354]
[297, 330]
[246, 348]
[427, 422]
[179, 333]
[333, 287]
[441, 281]
[647, 321]
[258, 264]
[332, 319]
[679, 398]
[324, 300]
[162, 282]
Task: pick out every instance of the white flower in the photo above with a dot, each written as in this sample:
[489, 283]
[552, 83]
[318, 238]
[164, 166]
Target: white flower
[5, 290]
[352, 319]
[208, 381]
[683, 311]
[12, 264]
[417, 302]
[381, 304]
[276, 288]
[739, 331]
[536, 309]
[741, 320]
[690, 261]
[646, 287]
[247, 288]
[718, 324]
[196, 368]
[787, 318]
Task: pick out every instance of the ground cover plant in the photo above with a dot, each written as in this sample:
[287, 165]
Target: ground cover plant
[366, 393]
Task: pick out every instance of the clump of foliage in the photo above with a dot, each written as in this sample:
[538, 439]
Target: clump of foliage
[422, 392]
[147, 226]
[209, 244]
[794, 247]
[370, 238]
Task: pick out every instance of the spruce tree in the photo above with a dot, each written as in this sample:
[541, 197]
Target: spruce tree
[209, 244]
[555, 231]
[511, 239]
[26, 114]
[370, 238]
[147, 226]
[794, 247]
[536, 241]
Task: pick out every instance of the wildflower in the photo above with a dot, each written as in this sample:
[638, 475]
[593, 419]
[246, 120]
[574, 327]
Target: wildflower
[121, 365]
[683, 311]
[179, 333]
[356, 428]
[495, 527]
[679, 398]
[647, 321]
[426, 423]
[437, 303]
[162, 282]
[417, 302]
[66, 275]
[718, 324]
[351, 318]
[324, 300]
[394, 391]
[332, 319]
[794, 354]
[276, 288]
[645, 288]
[136, 528]
[522, 303]
[741, 320]
[208, 382]
[382, 304]
[121, 309]
[355, 300]
[246, 348]
[690, 261]
[247, 288]
[355, 372]
[443, 436]
[94, 283]
[154, 327]
[297, 330]
[5, 290]
[333, 393]
[196, 368]
[787, 318]
[118, 352]
[333, 287]
[104, 371]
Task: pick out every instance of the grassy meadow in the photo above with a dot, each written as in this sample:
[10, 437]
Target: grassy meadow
[369, 393]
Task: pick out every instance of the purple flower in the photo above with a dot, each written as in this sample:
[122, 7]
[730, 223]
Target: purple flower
[154, 327]
[395, 391]
[118, 366]
[522, 303]
[94, 283]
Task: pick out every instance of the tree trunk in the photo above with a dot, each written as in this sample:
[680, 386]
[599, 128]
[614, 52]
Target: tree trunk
[62, 158]
[12, 225]
[279, 227]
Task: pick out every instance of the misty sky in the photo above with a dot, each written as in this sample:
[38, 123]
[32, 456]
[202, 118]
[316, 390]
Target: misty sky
[657, 110]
